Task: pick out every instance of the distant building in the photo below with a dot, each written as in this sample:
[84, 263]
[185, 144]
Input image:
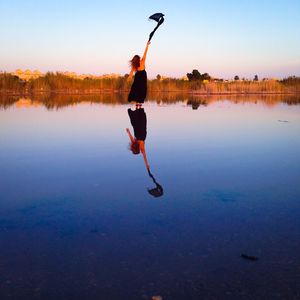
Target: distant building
[28, 74]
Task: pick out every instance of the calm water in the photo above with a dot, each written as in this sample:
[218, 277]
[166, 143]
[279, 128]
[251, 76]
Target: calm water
[77, 220]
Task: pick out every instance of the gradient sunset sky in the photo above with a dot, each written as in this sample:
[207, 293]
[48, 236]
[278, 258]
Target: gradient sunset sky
[223, 38]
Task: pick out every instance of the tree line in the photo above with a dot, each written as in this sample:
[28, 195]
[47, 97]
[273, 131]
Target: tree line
[196, 83]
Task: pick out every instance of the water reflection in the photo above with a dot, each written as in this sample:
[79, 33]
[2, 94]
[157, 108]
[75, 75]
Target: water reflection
[59, 101]
[138, 120]
[158, 191]
[70, 212]
[195, 103]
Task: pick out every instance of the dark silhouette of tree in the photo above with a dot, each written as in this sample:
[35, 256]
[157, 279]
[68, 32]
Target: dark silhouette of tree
[255, 78]
[205, 76]
[197, 76]
[189, 76]
[158, 77]
[236, 78]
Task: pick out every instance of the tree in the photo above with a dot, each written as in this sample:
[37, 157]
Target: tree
[236, 78]
[158, 77]
[205, 76]
[255, 78]
[189, 76]
[197, 76]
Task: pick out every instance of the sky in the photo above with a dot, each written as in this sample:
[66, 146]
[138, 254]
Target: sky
[222, 38]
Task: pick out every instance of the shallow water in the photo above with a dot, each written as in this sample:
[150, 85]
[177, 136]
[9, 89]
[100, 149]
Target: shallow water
[77, 220]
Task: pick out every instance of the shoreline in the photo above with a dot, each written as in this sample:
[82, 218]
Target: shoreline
[101, 92]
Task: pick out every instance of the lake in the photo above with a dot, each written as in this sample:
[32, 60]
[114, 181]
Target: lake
[216, 217]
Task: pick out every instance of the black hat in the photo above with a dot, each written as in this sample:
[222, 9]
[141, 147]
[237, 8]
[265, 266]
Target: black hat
[156, 17]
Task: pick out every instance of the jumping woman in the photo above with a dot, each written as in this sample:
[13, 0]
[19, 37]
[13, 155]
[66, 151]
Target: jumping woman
[138, 91]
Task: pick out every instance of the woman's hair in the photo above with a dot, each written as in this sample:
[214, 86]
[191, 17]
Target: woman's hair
[134, 147]
[135, 62]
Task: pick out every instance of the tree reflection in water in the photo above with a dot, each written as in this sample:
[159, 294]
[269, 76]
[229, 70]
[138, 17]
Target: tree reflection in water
[58, 101]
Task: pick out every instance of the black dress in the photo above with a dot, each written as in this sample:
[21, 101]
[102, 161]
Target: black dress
[138, 89]
[138, 121]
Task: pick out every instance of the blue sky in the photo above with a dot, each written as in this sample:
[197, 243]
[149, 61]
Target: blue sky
[223, 38]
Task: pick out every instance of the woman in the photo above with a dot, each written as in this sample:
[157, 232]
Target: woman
[138, 91]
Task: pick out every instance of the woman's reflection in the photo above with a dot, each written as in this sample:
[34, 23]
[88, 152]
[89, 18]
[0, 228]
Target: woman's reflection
[138, 121]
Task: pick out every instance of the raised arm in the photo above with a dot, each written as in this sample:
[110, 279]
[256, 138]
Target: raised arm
[145, 53]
